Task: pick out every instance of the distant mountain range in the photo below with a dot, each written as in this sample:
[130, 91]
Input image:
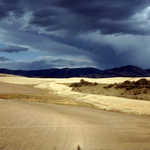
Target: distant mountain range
[125, 71]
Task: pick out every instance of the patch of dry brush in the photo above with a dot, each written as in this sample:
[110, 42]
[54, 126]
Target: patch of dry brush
[129, 89]
[83, 83]
[141, 86]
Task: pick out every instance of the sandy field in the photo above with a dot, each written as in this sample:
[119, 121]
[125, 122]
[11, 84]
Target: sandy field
[63, 94]
[138, 90]
[30, 126]
[31, 120]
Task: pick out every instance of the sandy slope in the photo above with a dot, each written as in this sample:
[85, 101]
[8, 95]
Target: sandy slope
[51, 127]
[99, 101]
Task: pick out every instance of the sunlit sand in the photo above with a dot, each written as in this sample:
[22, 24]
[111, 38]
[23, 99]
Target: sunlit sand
[109, 103]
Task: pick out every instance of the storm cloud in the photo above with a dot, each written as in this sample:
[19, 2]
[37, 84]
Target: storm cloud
[10, 6]
[102, 34]
[109, 17]
[13, 49]
[3, 59]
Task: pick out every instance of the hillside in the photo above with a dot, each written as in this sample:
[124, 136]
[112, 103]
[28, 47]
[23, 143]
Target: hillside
[125, 71]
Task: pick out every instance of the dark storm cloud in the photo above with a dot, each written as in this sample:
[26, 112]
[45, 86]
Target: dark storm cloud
[110, 51]
[107, 16]
[114, 10]
[13, 49]
[42, 64]
[57, 63]
[97, 30]
[10, 6]
[3, 59]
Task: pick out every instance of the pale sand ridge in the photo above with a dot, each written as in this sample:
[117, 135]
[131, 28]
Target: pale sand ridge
[109, 103]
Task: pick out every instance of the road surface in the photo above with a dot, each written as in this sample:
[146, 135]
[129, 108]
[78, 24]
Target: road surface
[51, 127]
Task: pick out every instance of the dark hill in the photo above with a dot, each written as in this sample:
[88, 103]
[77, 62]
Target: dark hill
[125, 71]
[128, 71]
[56, 73]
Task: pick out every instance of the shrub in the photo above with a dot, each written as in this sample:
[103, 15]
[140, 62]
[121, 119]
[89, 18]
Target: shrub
[83, 83]
[130, 85]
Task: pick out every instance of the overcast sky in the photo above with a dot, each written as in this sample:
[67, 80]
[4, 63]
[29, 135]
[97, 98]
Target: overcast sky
[40, 34]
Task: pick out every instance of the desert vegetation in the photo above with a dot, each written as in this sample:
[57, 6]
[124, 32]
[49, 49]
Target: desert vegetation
[139, 89]
[83, 83]
[94, 93]
[130, 85]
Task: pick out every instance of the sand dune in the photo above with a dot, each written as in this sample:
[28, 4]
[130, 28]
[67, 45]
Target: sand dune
[110, 103]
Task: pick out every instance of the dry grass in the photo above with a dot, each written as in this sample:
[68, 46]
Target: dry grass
[22, 97]
[31, 93]
[139, 90]
[61, 93]
[6, 75]
[51, 99]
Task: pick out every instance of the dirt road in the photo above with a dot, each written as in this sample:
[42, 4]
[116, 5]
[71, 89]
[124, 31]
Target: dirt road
[51, 127]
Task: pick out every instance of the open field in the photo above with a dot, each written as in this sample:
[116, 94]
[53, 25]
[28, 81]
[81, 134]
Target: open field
[27, 92]
[30, 126]
[57, 91]
[6, 75]
[138, 90]
[30, 120]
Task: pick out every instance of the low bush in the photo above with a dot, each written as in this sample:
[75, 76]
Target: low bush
[138, 87]
[83, 83]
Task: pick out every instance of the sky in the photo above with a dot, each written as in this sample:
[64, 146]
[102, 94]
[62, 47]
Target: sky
[43, 34]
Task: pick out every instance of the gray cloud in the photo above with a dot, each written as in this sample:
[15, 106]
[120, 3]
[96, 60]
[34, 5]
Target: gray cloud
[44, 63]
[110, 51]
[107, 33]
[109, 17]
[10, 6]
[13, 49]
[3, 59]
[57, 63]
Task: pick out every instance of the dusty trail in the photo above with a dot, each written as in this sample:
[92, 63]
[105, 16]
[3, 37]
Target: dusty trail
[51, 127]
